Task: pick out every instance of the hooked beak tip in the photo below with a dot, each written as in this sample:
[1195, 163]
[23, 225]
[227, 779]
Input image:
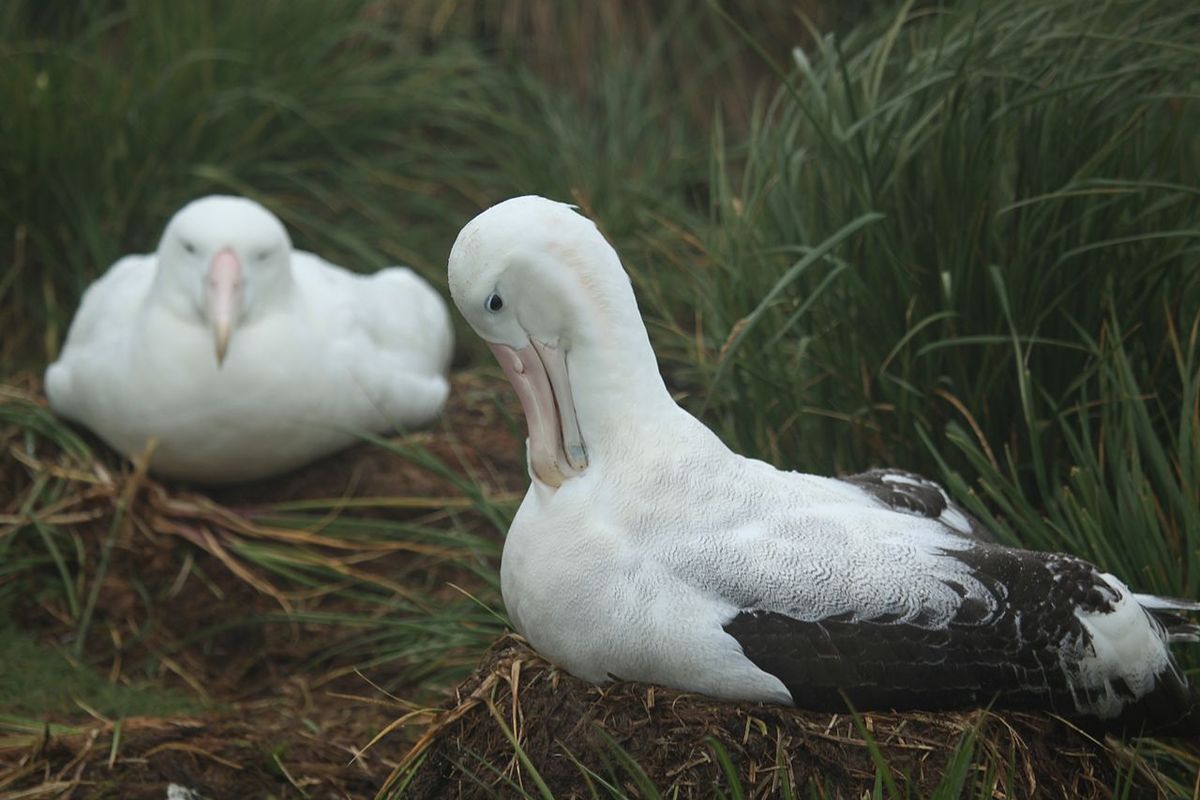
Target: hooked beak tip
[577, 457]
[222, 344]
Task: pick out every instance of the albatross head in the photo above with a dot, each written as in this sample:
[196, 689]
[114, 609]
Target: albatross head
[220, 257]
[540, 284]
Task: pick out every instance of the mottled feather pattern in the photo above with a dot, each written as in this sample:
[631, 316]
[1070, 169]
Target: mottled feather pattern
[1027, 645]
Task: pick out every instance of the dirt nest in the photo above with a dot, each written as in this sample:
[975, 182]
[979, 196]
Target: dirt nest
[687, 745]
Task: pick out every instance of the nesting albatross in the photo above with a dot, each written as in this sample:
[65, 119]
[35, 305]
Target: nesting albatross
[243, 357]
[646, 550]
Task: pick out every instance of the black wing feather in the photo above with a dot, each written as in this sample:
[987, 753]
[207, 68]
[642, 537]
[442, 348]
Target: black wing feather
[910, 493]
[1009, 654]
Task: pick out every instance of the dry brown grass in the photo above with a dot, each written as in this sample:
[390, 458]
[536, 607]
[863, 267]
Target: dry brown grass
[253, 753]
[561, 723]
[96, 492]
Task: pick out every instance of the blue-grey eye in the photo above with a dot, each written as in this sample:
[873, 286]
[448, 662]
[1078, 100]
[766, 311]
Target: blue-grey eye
[493, 303]
[191, 248]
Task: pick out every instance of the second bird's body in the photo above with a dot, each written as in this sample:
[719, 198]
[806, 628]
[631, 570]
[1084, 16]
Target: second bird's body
[312, 354]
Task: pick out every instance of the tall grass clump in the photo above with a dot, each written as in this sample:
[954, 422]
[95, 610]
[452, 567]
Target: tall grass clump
[567, 45]
[967, 240]
[616, 131]
[116, 114]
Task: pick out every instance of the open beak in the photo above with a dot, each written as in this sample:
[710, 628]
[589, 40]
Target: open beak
[224, 289]
[538, 372]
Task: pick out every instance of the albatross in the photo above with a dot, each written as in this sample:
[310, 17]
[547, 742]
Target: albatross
[244, 358]
[646, 550]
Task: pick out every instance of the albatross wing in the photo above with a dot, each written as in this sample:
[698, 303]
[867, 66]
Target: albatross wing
[395, 338]
[909, 493]
[99, 335]
[1050, 632]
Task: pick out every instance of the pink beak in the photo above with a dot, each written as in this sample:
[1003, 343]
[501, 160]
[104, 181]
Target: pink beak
[538, 373]
[223, 293]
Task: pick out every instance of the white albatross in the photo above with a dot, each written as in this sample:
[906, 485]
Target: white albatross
[244, 358]
[646, 550]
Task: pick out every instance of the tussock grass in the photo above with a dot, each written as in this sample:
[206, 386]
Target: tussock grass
[356, 139]
[965, 241]
[237, 607]
[960, 239]
[1003, 243]
[568, 45]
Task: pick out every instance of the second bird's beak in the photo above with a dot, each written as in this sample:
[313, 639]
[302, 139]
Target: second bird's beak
[223, 290]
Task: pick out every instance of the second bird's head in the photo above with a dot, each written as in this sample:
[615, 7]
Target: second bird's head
[221, 257]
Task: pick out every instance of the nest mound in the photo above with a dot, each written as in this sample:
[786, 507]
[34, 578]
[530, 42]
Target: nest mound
[280, 708]
[521, 715]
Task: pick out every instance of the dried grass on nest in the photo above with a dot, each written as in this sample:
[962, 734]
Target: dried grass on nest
[139, 505]
[561, 722]
[269, 755]
[214, 555]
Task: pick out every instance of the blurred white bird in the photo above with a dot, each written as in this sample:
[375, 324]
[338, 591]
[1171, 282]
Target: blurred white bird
[245, 358]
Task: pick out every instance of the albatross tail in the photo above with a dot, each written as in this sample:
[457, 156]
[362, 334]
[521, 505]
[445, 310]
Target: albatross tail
[1172, 707]
[1169, 613]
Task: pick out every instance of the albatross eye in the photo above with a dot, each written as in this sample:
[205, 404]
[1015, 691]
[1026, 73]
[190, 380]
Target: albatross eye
[189, 247]
[493, 303]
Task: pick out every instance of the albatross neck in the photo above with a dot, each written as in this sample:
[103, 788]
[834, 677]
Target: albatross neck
[619, 394]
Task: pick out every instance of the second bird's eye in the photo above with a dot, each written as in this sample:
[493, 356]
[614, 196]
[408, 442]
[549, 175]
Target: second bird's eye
[493, 303]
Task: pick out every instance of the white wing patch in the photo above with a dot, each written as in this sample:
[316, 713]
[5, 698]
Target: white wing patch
[1127, 646]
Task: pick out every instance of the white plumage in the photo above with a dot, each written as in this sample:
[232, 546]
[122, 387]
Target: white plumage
[645, 549]
[244, 358]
